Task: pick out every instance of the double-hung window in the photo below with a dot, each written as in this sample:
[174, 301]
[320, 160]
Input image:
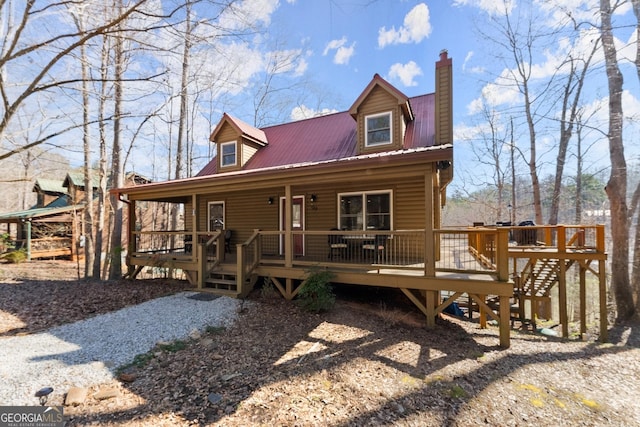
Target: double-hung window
[378, 129]
[229, 155]
[365, 211]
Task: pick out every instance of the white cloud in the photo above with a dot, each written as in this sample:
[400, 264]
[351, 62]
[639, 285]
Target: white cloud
[343, 52]
[473, 70]
[416, 27]
[492, 7]
[302, 112]
[246, 12]
[502, 91]
[406, 73]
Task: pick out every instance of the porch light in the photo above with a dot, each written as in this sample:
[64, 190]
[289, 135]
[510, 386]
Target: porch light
[270, 200]
[313, 198]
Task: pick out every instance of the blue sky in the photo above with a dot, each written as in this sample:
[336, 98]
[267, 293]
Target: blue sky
[347, 41]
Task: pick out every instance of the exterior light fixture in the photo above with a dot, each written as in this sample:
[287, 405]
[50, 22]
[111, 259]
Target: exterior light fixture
[270, 200]
[313, 198]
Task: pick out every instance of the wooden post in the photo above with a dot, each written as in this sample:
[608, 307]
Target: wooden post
[240, 273]
[502, 254]
[429, 237]
[604, 331]
[583, 300]
[562, 295]
[483, 314]
[431, 304]
[202, 261]
[505, 314]
[28, 223]
[288, 241]
[194, 225]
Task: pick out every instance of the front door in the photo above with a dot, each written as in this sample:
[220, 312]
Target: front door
[297, 223]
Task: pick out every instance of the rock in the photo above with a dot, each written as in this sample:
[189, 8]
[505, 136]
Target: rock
[106, 393]
[214, 398]
[76, 396]
[195, 334]
[127, 377]
[228, 377]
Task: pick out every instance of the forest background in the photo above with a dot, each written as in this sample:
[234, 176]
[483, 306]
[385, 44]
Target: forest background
[549, 134]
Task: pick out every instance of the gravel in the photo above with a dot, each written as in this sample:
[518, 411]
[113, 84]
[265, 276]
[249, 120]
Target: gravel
[88, 352]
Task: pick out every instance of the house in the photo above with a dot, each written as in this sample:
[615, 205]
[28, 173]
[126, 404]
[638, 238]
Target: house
[358, 192]
[52, 227]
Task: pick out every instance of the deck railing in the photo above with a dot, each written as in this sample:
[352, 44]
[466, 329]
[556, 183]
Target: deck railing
[470, 250]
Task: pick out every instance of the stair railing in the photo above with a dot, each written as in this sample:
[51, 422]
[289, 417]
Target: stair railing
[206, 263]
[248, 259]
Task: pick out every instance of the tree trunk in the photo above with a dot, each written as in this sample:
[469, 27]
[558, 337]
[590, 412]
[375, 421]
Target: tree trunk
[115, 270]
[87, 216]
[617, 186]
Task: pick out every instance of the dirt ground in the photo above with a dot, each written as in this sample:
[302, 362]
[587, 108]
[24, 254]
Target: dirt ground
[369, 361]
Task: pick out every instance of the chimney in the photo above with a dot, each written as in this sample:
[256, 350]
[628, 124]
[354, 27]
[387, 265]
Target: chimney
[444, 100]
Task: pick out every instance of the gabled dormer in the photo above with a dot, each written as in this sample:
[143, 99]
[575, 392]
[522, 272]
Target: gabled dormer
[236, 143]
[382, 113]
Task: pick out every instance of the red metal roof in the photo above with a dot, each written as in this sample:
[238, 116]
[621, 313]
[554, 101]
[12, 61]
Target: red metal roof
[330, 137]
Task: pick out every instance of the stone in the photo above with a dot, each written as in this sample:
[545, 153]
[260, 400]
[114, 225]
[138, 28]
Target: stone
[76, 396]
[214, 398]
[127, 377]
[228, 377]
[106, 393]
[195, 334]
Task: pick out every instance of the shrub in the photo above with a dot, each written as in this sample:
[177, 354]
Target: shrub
[15, 257]
[316, 294]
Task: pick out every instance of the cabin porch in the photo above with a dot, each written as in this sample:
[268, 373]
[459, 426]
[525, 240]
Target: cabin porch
[498, 277]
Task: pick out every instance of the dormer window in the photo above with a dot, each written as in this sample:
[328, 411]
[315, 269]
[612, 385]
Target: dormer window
[378, 129]
[229, 153]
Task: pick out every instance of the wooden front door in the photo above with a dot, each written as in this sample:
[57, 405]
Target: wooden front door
[297, 223]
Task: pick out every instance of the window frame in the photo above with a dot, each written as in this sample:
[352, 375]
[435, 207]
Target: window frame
[363, 195]
[222, 154]
[224, 213]
[368, 144]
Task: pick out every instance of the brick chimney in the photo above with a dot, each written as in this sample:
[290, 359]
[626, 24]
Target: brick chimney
[444, 100]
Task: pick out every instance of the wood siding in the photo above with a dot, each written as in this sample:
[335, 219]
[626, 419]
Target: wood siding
[380, 101]
[228, 134]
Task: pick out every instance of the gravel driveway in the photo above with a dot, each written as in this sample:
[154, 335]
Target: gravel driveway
[87, 352]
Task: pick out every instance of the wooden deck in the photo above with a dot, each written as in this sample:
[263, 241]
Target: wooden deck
[477, 263]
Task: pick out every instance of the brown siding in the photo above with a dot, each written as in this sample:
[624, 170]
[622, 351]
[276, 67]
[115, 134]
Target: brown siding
[380, 101]
[228, 134]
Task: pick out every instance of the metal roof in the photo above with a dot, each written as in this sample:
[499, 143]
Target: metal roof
[38, 212]
[330, 137]
[49, 186]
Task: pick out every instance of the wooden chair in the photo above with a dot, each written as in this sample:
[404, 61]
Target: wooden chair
[375, 250]
[337, 244]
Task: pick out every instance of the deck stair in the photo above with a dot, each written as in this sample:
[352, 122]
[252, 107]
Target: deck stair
[223, 280]
[535, 282]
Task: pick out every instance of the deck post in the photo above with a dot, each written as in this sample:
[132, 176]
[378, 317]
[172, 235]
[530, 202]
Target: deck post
[583, 300]
[604, 331]
[505, 313]
[202, 262]
[502, 255]
[562, 279]
[429, 236]
[240, 273]
[431, 304]
[288, 215]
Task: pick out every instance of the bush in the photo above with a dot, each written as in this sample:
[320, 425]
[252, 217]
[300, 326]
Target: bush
[316, 294]
[15, 257]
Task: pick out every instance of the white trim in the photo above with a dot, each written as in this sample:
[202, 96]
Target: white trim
[224, 214]
[235, 156]
[364, 205]
[366, 129]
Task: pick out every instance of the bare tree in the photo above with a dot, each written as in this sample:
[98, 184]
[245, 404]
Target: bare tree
[617, 185]
[571, 99]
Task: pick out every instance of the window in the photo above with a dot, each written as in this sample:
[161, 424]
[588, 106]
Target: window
[228, 153]
[365, 211]
[216, 216]
[378, 129]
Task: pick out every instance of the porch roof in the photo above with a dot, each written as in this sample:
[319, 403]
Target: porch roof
[38, 213]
